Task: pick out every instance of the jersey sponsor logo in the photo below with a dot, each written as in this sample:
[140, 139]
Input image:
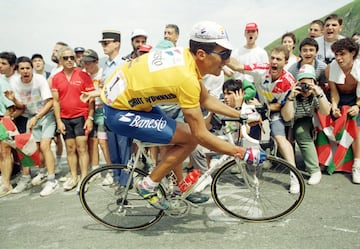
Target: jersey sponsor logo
[144, 123]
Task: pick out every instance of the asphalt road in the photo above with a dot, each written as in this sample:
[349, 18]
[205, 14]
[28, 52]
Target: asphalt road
[329, 217]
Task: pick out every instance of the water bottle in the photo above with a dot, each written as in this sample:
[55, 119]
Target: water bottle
[189, 180]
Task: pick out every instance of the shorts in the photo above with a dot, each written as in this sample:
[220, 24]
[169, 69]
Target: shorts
[153, 126]
[45, 127]
[74, 127]
[98, 131]
[277, 128]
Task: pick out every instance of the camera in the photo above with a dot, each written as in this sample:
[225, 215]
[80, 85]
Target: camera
[328, 60]
[304, 87]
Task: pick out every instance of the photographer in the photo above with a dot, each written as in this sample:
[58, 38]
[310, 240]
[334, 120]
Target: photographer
[305, 99]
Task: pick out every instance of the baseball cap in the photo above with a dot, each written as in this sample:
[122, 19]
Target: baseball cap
[138, 32]
[37, 56]
[90, 55]
[145, 48]
[79, 49]
[111, 35]
[306, 71]
[251, 26]
[209, 32]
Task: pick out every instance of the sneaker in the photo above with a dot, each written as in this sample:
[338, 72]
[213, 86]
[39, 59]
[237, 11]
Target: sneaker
[22, 185]
[152, 196]
[356, 174]
[197, 198]
[50, 187]
[65, 178]
[78, 186]
[108, 180]
[70, 184]
[39, 179]
[294, 185]
[5, 190]
[314, 178]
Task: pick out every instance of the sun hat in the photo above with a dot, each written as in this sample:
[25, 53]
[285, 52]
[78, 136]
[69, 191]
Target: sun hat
[138, 32]
[210, 32]
[306, 71]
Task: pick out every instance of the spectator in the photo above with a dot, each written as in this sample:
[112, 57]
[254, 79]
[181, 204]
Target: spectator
[344, 80]
[33, 91]
[273, 84]
[316, 29]
[98, 136]
[73, 117]
[289, 41]
[356, 36]
[39, 65]
[308, 50]
[138, 38]
[171, 33]
[79, 52]
[7, 107]
[304, 100]
[333, 27]
[119, 146]
[251, 53]
[57, 136]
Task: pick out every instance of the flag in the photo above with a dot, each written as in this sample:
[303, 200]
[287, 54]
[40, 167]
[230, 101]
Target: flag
[334, 139]
[24, 143]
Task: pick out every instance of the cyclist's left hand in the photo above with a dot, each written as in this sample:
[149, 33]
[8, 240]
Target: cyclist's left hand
[254, 155]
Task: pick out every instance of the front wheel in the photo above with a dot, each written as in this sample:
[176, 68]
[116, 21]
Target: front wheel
[257, 193]
[113, 206]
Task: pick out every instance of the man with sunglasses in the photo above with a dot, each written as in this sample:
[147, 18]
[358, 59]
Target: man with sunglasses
[173, 75]
[74, 118]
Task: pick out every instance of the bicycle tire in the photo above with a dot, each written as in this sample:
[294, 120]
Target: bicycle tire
[103, 203]
[270, 201]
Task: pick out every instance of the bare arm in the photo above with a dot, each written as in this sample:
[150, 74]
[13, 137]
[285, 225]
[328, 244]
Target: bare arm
[197, 125]
[56, 105]
[212, 104]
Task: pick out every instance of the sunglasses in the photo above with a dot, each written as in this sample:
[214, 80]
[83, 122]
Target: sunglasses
[223, 54]
[71, 57]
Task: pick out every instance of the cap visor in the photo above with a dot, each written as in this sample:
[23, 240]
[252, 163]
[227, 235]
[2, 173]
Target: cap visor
[225, 43]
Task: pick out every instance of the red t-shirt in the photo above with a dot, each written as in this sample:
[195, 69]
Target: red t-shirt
[69, 92]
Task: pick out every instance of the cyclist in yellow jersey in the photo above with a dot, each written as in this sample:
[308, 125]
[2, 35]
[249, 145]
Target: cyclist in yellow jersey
[171, 75]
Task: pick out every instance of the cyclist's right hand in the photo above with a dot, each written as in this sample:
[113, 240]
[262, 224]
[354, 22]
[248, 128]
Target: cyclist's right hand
[254, 155]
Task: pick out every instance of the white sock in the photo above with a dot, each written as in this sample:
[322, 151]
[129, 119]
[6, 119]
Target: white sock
[356, 162]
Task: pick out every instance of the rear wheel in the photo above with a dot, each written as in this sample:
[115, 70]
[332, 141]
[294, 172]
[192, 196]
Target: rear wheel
[112, 205]
[257, 193]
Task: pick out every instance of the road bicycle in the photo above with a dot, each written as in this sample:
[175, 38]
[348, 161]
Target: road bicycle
[255, 193]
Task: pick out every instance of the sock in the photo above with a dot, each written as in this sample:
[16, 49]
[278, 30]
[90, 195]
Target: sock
[42, 170]
[356, 162]
[51, 178]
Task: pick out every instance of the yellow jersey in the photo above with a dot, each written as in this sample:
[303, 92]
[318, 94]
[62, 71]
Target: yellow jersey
[161, 76]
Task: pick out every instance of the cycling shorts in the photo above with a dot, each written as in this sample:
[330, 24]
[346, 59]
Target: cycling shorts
[152, 127]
